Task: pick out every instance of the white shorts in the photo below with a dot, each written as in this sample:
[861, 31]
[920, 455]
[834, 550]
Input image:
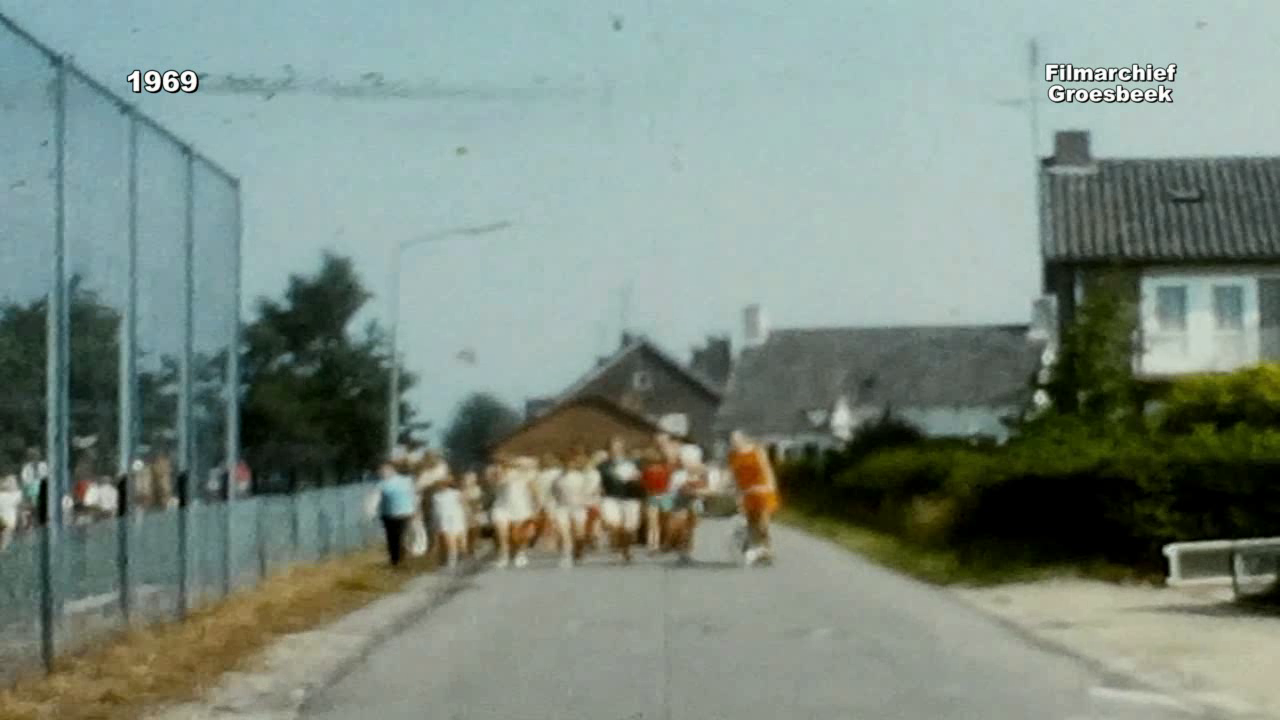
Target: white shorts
[567, 516]
[620, 514]
[511, 515]
[452, 521]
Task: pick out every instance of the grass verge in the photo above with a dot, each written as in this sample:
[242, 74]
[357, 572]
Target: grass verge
[147, 668]
[948, 567]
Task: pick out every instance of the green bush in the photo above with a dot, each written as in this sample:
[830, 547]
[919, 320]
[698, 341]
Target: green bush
[1071, 492]
[1248, 397]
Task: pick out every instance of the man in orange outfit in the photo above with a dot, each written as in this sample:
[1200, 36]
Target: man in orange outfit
[758, 486]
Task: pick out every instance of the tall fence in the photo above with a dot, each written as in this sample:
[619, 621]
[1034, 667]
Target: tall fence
[119, 326]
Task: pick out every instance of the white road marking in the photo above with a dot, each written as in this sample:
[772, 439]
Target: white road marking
[1139, 697]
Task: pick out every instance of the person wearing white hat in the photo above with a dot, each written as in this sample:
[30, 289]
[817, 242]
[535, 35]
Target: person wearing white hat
[687, 484]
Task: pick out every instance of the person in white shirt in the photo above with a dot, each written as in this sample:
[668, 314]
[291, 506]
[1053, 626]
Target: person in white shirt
[449, 516]
[10, 505]
[33, 476]
[577, 495]
[550, 468]
[688, 482]
[513, 510]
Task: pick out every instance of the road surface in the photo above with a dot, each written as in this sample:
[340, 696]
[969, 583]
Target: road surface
[823, 634]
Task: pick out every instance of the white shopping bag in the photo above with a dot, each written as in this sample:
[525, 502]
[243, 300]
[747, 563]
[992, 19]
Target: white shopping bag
[418, 541]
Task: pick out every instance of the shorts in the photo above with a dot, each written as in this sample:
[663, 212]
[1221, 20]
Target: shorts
[665, 502]
[452, 522]
[511, 515]
[756, 503]
[572, 516]
[620, 514]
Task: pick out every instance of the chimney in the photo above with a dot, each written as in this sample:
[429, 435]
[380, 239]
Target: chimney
[627, 339]
[755, 328]
[1071, 150]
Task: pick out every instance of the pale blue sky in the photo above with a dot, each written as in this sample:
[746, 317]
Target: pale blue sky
[841, 162]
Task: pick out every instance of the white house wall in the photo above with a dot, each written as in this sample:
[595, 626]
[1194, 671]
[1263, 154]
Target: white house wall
[1202, 347]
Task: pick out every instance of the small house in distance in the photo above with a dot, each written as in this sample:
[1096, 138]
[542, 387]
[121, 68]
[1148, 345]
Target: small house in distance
[581, 423]
[643, 379]
[1193, 241]
[798, 387]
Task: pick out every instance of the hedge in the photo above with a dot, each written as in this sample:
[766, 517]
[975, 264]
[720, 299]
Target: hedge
[1067, 493]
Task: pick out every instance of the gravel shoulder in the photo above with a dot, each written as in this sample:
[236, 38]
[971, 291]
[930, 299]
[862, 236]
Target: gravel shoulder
[1193, 643]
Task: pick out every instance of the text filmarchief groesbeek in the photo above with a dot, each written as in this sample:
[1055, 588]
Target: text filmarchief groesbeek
[1058, 73]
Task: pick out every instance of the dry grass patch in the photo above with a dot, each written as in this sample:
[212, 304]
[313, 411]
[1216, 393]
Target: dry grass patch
[177, 662]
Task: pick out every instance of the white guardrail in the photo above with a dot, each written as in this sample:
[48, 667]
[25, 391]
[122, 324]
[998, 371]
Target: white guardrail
[1254, 561]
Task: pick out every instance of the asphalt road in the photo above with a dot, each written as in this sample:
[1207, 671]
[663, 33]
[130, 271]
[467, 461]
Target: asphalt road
[822, 634]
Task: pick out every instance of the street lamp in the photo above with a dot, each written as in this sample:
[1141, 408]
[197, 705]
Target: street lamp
[393, 400]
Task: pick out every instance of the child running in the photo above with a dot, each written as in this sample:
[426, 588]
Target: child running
[449, 516]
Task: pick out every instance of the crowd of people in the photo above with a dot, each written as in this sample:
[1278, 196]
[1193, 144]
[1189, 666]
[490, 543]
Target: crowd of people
[94, 494]
[611, 498]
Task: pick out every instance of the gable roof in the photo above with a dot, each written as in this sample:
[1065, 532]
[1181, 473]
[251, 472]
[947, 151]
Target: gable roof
[593, 401]
[774, 386]
[1146, 210]
[638, 344]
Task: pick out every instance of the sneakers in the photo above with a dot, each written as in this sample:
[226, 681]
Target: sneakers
[501, 563]
[750, 557]
[566, 563]
[522, 560]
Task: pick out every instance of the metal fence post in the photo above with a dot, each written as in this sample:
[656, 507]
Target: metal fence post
[56, 399]
[233, 391]
[185, 444]
[128, 385]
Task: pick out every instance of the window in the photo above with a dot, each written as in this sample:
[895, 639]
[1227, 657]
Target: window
[1171, 308]
[1228, 307]
[641, 380]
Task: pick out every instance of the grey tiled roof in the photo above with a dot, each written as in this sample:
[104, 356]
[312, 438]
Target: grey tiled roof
[775, 385]
[1138, 210]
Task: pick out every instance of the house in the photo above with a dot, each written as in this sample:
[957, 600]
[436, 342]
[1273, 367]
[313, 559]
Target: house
[643, 379]
[586, 422]
[1195, 241]
[798, 387]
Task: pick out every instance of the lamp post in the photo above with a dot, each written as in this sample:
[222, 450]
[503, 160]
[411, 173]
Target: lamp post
[393, 396]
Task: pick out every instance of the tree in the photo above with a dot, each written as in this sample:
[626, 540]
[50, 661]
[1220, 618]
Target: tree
[1093, 377]
[315, 394]
[480, 421]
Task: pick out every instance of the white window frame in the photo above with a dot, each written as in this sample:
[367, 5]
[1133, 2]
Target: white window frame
[1203, 347]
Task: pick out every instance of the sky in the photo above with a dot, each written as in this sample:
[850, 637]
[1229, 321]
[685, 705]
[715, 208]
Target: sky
[661, 163]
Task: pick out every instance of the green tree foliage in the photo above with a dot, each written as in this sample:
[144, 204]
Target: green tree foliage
[1093, 377]
[480, 421]
[1220, 401]
[315, 393]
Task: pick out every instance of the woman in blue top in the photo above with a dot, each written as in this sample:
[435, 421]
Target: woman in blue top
[397, 502]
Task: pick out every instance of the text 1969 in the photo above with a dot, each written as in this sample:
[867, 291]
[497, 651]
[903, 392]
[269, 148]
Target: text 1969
[170, 81]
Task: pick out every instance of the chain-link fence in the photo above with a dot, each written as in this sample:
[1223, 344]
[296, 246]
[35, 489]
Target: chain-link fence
[122, 494]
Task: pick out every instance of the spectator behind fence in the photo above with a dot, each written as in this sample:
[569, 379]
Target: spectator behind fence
[34, 475]
[10, 503]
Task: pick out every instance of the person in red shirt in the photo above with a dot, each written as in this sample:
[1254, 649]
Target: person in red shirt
[656, 478]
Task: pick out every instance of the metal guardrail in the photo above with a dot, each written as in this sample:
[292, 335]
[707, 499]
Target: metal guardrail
[1244, 562]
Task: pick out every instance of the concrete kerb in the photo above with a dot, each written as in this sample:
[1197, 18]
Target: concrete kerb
[454, 584]
[1111, 671]
[296, 668]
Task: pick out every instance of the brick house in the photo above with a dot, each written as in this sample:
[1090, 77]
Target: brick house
[1195, 241]
[644, 380]
[585, 422]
